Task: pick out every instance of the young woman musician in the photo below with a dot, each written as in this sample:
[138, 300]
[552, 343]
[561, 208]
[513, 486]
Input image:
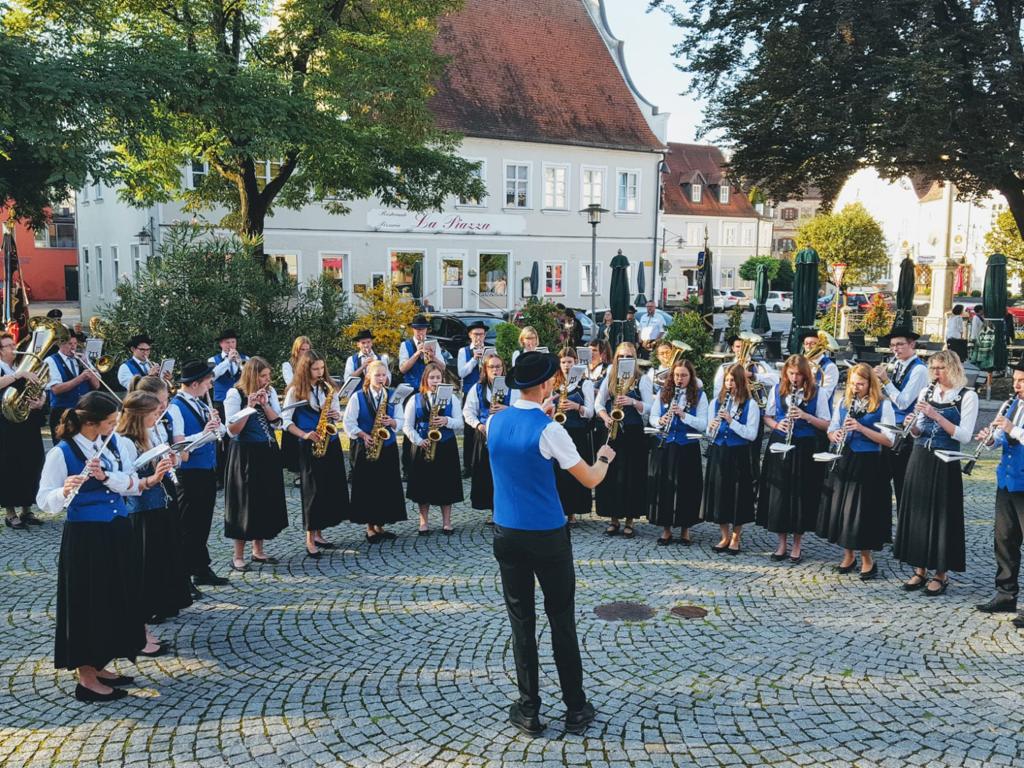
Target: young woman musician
[479, 406]
[21, 444]
[139, 416]
[930, 529]
[322, 479]
[856, 508]
[600, 359]
[439, 481]
[625, 486]
[578, 409]
[289, 443]
[797, 413]
[97, 570]
[675, 478]
[528, 342]
[377, 498]
[728, 485]
[254, 505]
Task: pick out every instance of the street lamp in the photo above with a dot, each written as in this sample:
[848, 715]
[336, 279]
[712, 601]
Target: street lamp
[593, 211]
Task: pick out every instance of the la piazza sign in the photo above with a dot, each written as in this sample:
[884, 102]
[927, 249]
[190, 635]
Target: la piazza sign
[444, 223]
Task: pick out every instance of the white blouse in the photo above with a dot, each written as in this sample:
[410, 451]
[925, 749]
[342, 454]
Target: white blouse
[351, 417]
[287, 373]
[888, 416]
[471, 408]
[233, 404]
[968, 410]
[646, 395]
[821, 409]
[698, 422]
[124, 481]
[747, 429]
[316, 401]
[409, 424]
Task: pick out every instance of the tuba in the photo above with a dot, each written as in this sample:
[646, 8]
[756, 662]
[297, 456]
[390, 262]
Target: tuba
[379, 434]
[16, 405]
[758, 391]
[826, 343]
[325, 430]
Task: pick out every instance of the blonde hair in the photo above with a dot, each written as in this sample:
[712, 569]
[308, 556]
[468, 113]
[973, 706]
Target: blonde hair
[296, 346]
[954, 368]
[613, 372]
[249, 382]
[132, 422]
[369, 374]
[528, 330]
[864, 371]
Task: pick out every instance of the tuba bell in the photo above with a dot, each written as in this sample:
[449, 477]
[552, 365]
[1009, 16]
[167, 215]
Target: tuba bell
[746, 358]
[16, 404]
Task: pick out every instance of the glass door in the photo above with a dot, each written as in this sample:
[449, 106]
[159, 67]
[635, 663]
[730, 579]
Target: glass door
[453, 279]
[493, 286]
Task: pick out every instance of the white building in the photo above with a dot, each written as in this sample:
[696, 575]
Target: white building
[541, 93]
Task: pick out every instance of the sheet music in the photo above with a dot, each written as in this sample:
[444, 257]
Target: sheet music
[499, 387]
[626, 367]
[402, 391]
[543, 350]
[38, 340]
[167, 366]
[352, 383]
[93, 347]
[576, 375]
[490, 351]
[444, 393]
[584, 354]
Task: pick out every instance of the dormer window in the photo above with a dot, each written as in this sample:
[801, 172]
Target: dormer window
[723, 194]
[696, 190]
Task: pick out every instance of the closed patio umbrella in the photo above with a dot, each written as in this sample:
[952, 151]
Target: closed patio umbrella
[805, 296]
[534, 280]
[618, 295]
[761, 325]
[641, 282]
[905, 295]
[993, 299]
[707, 307]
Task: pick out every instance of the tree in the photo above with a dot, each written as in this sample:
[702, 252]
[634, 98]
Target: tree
[850, 236]
[806, 93]
[285, 103]
[783, 281]
[748, 269]
[1004, 238]
[689, 326]
[386, 313]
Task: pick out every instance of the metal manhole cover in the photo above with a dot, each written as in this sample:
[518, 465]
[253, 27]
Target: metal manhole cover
[689, 612]
[624, 612]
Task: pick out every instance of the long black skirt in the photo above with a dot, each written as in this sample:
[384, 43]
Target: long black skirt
[856, 505]
[97, 595]
[439, 481]
[377, 487]
[21, 460]
[728, 486]
[290, 451]
[254, 505]
[790, 488]
[930, 529]
[481, 489]
[675, 485]
[324, 486]
[623, 492]
[575, 497]
[163, 586]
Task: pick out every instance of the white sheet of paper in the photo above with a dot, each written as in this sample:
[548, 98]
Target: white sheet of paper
[584, 354]
[167, 366]
[93, 347]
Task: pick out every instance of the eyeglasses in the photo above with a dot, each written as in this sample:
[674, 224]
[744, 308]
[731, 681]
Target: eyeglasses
[143, 349]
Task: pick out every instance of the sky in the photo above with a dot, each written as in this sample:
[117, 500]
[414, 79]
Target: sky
[649, 38]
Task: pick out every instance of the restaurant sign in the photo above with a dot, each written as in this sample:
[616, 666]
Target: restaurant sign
[444, 223]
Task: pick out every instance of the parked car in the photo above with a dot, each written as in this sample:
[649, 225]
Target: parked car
[733, 297]
[450, 331]
[1015, 308]
[857, 301]
[719, 300]
[778, 301]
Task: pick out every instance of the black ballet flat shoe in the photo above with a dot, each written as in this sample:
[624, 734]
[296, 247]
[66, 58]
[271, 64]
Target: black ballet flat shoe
[116, 682]
[628, 532]
[375, 538]
[612, 530]
[84, 694]
[777, 558]
[661, 542]
[426, 532]
[29, 518]
[940, 590]
[162, 650]
[265, 560]
[326, 544]
[719, 548]
[389, 535]
[908, 587]
[19, 525]
[240, 568]
[995, 605]
[796, 560]
[870, 575]
[732, 551]
[314, 555]
[845, 568]
[684, 542]
[447, 531]
[1018, 622]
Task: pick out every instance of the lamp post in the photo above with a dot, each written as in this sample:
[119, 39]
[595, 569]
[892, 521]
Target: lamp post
[593, 211]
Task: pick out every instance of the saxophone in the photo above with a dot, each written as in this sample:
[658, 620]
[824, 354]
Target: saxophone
[378, 433]
[433, 434]
[563, 397]
[616, 413]
[325, 430]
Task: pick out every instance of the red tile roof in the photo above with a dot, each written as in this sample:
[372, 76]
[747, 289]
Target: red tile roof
[689, 162]
[535, 70]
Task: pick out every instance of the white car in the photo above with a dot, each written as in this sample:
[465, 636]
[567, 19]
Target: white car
[719, 301]
[779, 301]
[734, 297]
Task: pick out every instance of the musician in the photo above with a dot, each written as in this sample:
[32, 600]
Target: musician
[675, 478]
[300, 346]
[624, 491]
[138, 364]
[358, 362]
[827, 376]
[532, 542]
[21, 444]
[767, 377]
[600, 359]
[578, 409]
[69, 380]
[728, 482]
[930, 529]
[97, 614]
[469, 361]
[902, 388]
[254, 505]
[439, 481]
[289, 443]
[604, 330]
[856, 508]
[324, 485]
[377, 498]
[479, 403]
[148, 510]
[651, 327]
[1009, 516]
[412, 355]
[191, 415]
[227, 370]
[529, 340]
[797, 413]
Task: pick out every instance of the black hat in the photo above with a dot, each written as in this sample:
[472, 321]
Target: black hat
[1019, 365]
[139, 338]
[364, 334]
[630, 310]
[55, 314]
[228, 333]
[195, 370]
[531, 369]
[420, 321]
[477, 325]
[807, 333]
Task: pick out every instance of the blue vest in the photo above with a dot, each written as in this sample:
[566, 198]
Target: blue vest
[474, 376]
[902, 413]
[256, 429]
[226, 381]
[151, 498]
[855, 441]
[802, 428]
[423, 419]
[631, 416]
[305, 417]
[525, 495]
[725, 435]
[70, 398]
[933, 437]
[1010, 472]
[679, 429]
[94, 503]
[413, 375]
[135, 367]
[367, 414]
[355, 362]
[204, 457]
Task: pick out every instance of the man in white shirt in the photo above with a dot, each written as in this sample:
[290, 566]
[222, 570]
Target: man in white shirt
[356, 364]
[469, 361]
[651, 327]
[138, 364]
[69, 380]
[955, 332]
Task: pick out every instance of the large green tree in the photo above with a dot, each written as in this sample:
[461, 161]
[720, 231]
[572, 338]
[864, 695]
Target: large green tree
[852, 237]
[286, 103]
[1004, 238]
[807, 92]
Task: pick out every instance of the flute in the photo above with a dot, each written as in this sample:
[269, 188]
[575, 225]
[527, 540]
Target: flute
[85, 473]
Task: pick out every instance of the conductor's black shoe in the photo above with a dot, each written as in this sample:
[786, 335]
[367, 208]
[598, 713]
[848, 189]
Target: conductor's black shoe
[84, 694]
[998, 605]
[528, 724]
[577, 720]
[30, 519]
[1018, 621]
[210, 578]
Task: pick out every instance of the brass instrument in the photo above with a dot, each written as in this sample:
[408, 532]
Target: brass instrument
[825, 343]
[17, 405]
[758, 391]
[681, 348]
[325, 428]
[378, 433]
[103, 363]
[563, 398]
[616, 413]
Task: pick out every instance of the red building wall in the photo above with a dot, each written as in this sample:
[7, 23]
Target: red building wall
[43, 267]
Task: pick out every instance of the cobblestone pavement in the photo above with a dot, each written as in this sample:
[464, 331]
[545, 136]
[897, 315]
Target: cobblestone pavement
[398, 655]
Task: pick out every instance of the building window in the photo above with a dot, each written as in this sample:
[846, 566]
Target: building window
[789, 214]
[554, 272]
[116, 263]
[585, 282]
[333, 266]
[696, 192]
[729, 234]
[723, 194]
[787, 244]
[99, 270]
[517, 185]
[748, 234]
[481, 173]
[97, 190]
[135, 254]
[556, 187]
[403, 263]
[198, 171]
[628, 197]
[83, 194]
[284, 267]
[493, 281]
[695, 235]
[59, 233]
[592, 187]
[87, 269]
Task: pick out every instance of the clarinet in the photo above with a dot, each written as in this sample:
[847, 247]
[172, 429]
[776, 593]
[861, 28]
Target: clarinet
[663, 435]
[917, 417]
[989, 443]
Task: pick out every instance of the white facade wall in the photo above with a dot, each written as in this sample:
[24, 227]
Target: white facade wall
[732, 241]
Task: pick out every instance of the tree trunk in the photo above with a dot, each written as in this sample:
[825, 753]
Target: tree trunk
[254, 214]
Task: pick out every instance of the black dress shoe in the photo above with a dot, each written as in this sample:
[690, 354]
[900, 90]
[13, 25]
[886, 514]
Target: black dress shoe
[374, 538]
[194, 593]
[1018, 622]
[998, 605]
[17, 524]
[115, 682]
[265, 560]
[528, 724]
[719, 549]
[661, 542]
[30, 519]
[846, 568]
[210, 578]
[314, 555]
[777, 558]
[870, 575]
[162, 650]
[577, 721]
[389, 535]
[326, 544]
[84, 694]
[240, 568]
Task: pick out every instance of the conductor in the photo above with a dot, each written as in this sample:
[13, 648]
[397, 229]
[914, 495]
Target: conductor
[531, 538]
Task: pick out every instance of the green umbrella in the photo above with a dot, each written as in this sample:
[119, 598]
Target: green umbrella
[805, 296]
[994, 302]
[707, 308]
[761, 324]
[618, 294]
[905, 295]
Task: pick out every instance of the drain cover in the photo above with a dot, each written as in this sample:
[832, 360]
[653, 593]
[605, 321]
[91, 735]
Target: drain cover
[624, 612]
[689, 612]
